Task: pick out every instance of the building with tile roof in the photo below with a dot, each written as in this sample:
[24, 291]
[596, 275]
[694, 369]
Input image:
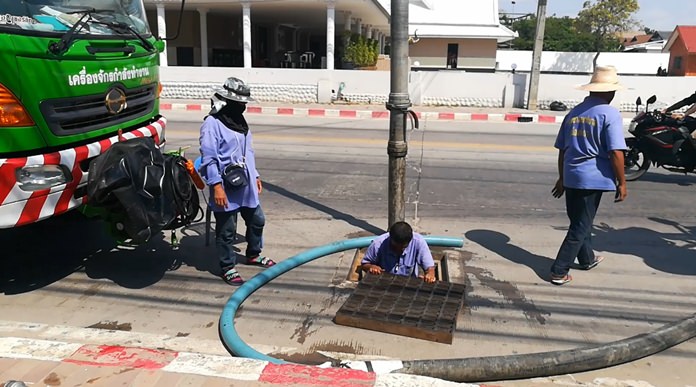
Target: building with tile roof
[681, 46]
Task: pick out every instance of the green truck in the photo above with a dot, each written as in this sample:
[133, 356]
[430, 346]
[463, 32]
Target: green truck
[76, 76]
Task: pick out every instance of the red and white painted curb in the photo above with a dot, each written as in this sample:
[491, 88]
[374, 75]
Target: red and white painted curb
[377, 114]
[227, 367]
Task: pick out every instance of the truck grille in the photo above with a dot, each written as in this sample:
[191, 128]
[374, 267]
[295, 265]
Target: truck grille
[68, 116]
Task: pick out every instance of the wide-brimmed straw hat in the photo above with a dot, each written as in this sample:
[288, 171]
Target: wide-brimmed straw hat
[234, 89]
[603, 79]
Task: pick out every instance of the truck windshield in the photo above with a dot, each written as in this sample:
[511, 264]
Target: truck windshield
[60, 15]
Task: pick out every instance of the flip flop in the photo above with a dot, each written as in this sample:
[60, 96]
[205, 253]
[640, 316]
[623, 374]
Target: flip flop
[231, 277]
[561, 280]
[260, 261]
[597, 261]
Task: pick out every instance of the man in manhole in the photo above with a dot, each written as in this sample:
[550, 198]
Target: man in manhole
[401, 252]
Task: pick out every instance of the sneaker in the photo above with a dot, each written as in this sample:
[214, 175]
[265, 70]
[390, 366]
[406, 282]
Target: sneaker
[231, 277]
[597, 261]
[561, 280]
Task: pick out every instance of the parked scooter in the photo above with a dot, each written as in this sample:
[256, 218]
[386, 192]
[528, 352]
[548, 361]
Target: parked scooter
[661, 140]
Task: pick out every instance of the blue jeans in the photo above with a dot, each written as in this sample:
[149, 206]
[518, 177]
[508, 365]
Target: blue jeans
[581, 207]
[226, 231]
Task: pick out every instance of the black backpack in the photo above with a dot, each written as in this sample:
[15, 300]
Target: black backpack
[182, 190]
[140, 190]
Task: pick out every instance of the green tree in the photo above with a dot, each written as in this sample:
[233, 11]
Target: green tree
[604, 19]
[361, 52]
[560, 34]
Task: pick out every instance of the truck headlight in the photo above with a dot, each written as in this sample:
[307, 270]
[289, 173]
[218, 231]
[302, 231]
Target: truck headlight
[38, 177]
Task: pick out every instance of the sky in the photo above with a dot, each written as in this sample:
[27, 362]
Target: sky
[662, 15]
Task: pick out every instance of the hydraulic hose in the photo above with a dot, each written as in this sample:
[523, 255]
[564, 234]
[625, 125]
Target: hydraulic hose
[497, 368]
[229, 335]
[468, 370]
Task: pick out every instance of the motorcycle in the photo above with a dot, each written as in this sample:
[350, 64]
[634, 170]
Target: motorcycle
[661, 140]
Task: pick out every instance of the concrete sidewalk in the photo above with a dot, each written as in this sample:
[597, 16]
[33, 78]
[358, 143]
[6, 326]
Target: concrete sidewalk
[61, 363]
[438, 113]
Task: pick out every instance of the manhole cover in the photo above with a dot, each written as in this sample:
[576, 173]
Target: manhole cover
[405, 306]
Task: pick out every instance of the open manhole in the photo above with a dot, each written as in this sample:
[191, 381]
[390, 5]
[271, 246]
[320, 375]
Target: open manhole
[403, 305]
[355, 274]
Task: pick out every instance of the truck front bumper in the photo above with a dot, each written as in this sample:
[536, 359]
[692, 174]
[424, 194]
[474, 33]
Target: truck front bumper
[20, 206]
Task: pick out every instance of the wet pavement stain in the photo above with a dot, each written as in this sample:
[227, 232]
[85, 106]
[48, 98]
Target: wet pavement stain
[210, 324]
[303, 331]
[112, 326]
[52, 379]
[91, 291]
[506, 289]
[339, 346]
[313, 358]
[181, 334]
[359, 234]
[93, 380]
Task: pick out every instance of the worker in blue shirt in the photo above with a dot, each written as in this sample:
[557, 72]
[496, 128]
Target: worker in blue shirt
[226, 141]
[591, 148]
[401, 252]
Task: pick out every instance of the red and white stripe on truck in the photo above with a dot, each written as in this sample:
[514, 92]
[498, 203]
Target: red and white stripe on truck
[19, 207]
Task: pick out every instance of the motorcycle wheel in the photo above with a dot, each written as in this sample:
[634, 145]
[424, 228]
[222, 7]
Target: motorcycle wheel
[636, 162]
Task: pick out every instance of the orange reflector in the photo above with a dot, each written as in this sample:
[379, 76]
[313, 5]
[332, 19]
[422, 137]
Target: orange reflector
[159, 89]
[12, 113]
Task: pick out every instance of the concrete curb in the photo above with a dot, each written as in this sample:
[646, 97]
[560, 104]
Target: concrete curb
[320, 112]
[151, 357]
[376, 114]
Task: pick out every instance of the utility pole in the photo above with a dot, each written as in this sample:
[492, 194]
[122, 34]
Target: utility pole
[536, 56]
[398, 105]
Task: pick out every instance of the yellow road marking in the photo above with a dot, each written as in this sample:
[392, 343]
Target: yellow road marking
[379, 142]
[427, 144]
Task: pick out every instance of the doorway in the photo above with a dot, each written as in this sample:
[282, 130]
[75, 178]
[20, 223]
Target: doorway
[452, 55]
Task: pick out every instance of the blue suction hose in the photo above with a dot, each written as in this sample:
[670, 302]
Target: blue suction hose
[477, 369]
[229, 335]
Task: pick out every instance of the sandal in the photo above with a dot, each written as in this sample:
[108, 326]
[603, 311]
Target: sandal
[562, 280]
[231, 277]
[260, 261]
[597, 261]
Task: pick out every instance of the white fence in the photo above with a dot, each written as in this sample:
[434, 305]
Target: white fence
[434, 88]
[635, 63]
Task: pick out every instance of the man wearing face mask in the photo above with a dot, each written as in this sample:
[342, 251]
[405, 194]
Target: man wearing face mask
[228, 167]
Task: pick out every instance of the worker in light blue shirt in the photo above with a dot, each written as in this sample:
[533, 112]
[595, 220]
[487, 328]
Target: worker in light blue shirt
[591, 148]
[226, 142]
[400, 252]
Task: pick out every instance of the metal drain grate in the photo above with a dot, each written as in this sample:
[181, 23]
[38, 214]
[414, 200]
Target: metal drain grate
[404, 306]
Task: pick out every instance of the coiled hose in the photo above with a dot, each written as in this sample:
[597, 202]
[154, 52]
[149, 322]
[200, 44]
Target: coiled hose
[229, 335]
[476, 369]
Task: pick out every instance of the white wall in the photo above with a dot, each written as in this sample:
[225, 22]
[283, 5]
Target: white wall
[456, 88]
[581, 62]
[558, 87]
[441, 88]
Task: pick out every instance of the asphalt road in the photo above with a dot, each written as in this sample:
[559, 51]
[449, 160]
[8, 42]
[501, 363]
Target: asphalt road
[491, 170]
[326, 180]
